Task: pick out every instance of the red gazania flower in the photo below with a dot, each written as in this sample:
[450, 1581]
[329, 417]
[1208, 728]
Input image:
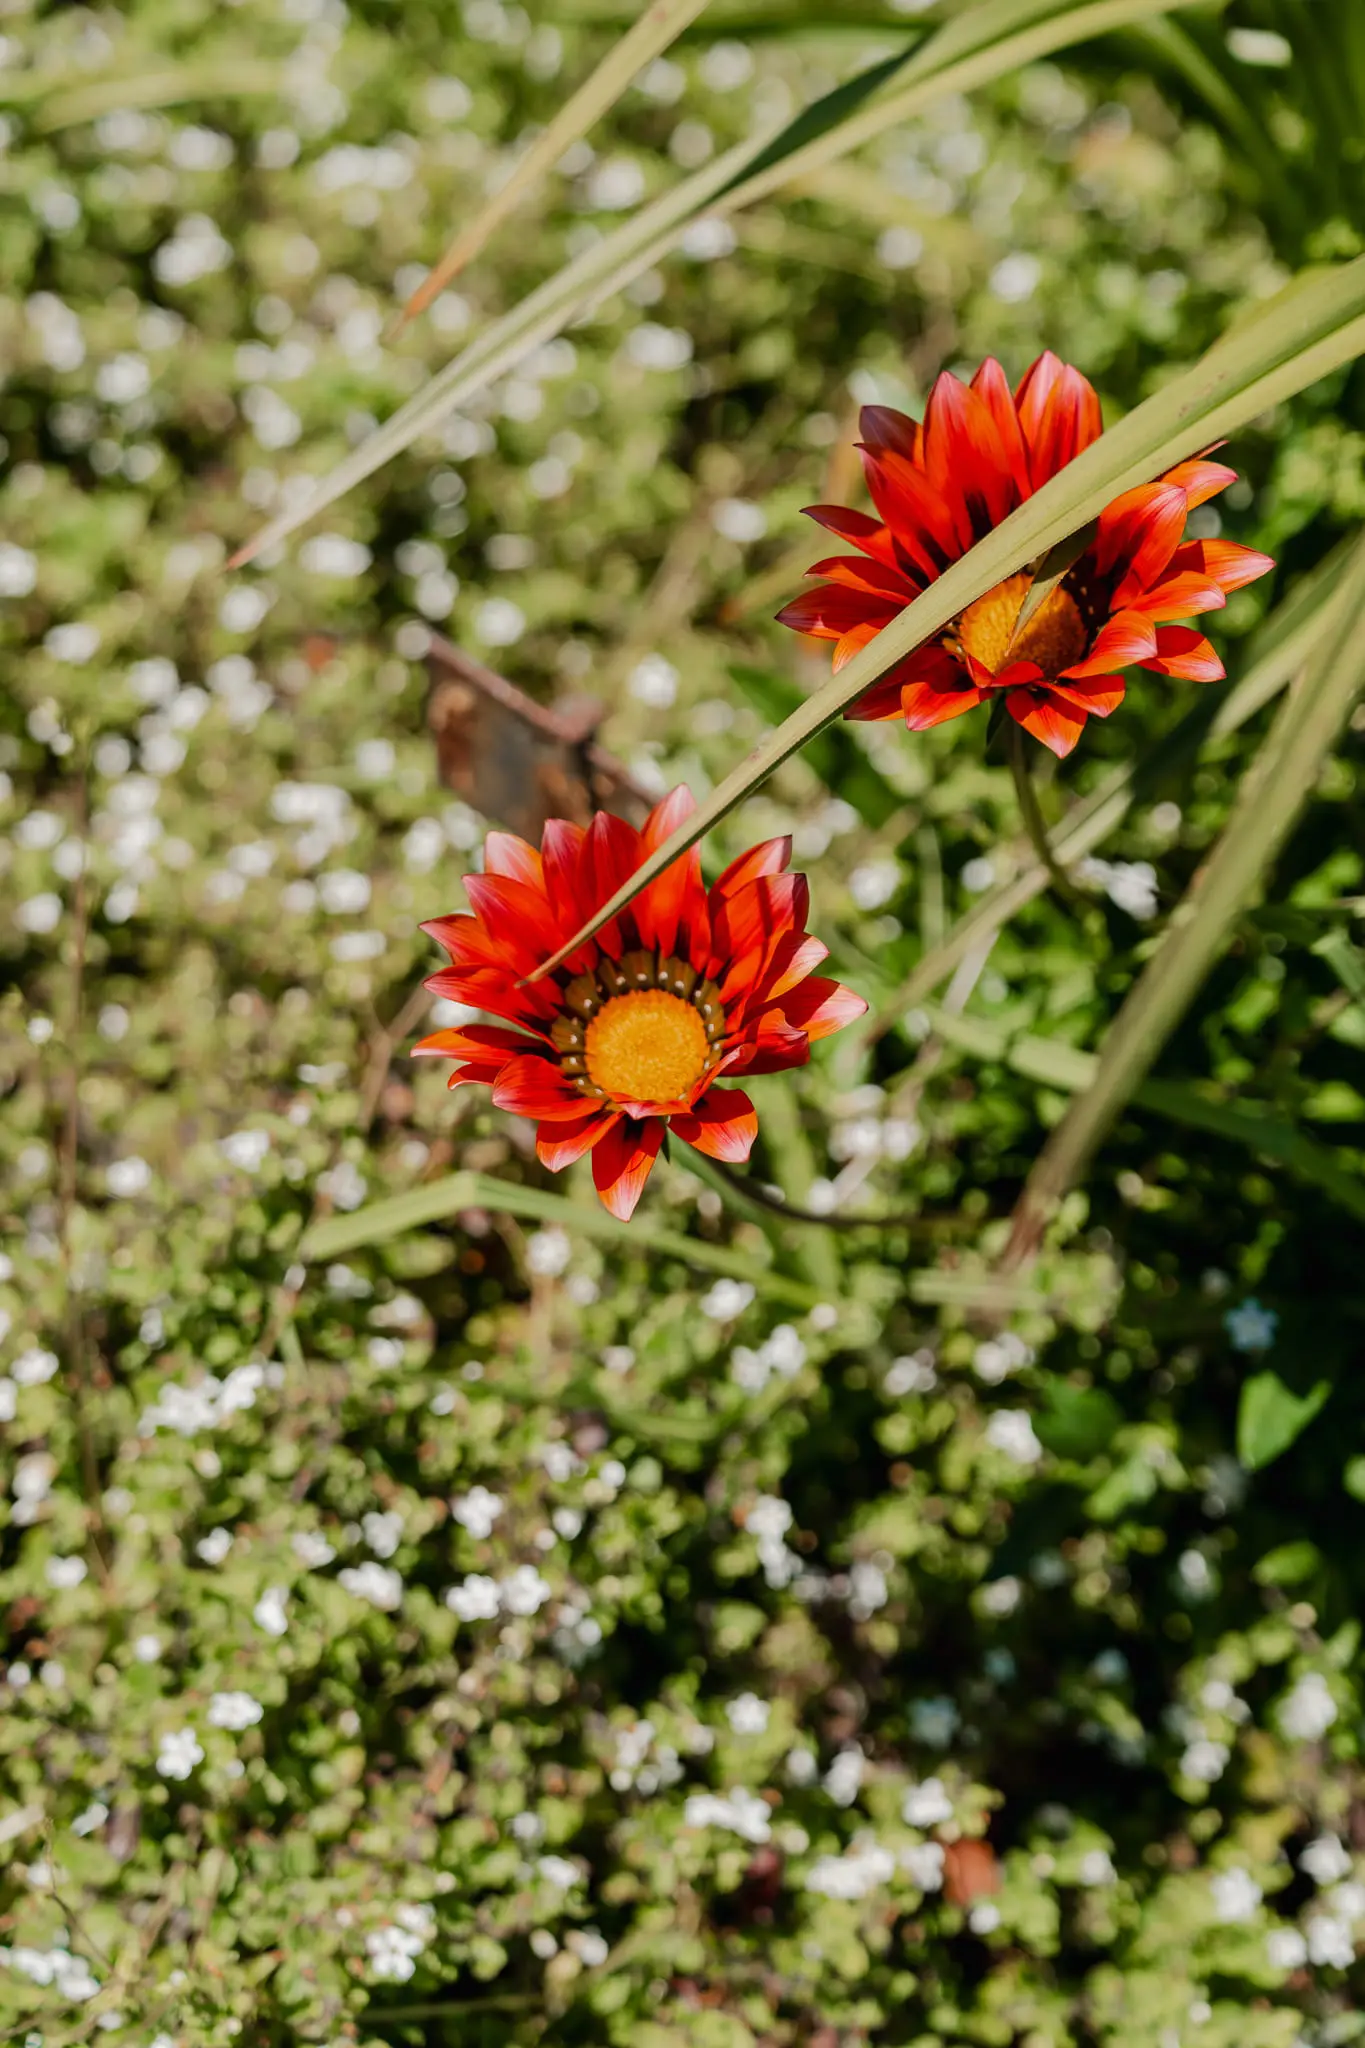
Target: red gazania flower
[938, 488]
[634, 1031]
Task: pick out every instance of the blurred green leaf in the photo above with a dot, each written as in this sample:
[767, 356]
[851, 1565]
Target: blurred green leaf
[1270, 1417]
[1076, 1422]
[1289, 1565]
[834, 755]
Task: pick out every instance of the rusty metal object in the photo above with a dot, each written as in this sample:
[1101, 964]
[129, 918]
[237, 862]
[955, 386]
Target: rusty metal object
[518, 762]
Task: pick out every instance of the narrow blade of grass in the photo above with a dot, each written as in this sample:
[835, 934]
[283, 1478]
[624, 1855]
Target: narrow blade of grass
[657, 27]
[432, 1203]
[1269, 802]
[981, 44]
[1072, 1071]
[1280, 648]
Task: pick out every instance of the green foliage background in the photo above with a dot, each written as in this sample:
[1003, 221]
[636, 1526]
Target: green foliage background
[799, 1532]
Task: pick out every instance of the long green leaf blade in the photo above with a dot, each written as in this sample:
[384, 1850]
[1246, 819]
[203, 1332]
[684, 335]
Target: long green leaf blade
[1312, 330]
[659, 25]
[431, 1203]
[1268, 803]
[980, 44]
[1280, 648]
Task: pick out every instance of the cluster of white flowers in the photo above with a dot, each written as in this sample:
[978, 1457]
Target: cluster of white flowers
[378, 1584]
[210, 1402]
[178, 1753]
[997, 1357]
[1130, 884]
[1236, 1895]
[863, 1868]
[782, 1353]
[747, 1715]
[1308, 1710]
[1011, 1430]
[739, 1810]
[479, 1597]
[768, 1521]
[234, 1711]
[926, 1805]
[477, 1511]
[70, 1976]
[393, 1949]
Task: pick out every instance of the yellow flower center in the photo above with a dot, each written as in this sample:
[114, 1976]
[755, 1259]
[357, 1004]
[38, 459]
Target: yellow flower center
[646, 1047]
[1054, 636]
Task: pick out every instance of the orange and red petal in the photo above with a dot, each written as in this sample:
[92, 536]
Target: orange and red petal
[821, 1006]
[676, 901]
[1059, 413]
[768, 1044]
[924, 704]
[486, 1042]
[748, 926]
[723, 1125]
[1200, 479]
[923, 528]
[1058, 725]
[966, 460]
[518, 919]
[991, 386]
[832, 610]
[929, 664]
[768, 858]
[1121, 640]
[1096, 696]
[621, 1163]
[1181, 651]
[562, 1143]
[535, 1087]
[505, 854]
[860, 530]
[1136, 538]
[882, 428]
[853, 572]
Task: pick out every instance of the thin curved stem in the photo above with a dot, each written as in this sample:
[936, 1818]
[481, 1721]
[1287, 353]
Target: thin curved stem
[753, 1191]
[1034, 822]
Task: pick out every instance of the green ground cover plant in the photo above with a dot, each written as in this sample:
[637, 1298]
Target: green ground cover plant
[905, 1589]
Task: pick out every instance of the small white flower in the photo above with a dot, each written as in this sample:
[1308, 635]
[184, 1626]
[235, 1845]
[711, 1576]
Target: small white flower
[127, 1177]
[874, 883]
[652, 347]
[739, 520]
[524, 1591]
[246, 1150]
[1286, 1948]
[1097, 1868]
[344, 891]
[499, 623]
[377, 1583]
[18, 570]
[1326, 1859]
[214, 1547]
[747, 1715]
[557, 1870]
[146, 1648]
[1330, 1942]
[234, 1710]
[934, 1721]
[477, 1599]
[653, 681]
[741, 1811]
[1309, 1710]
[1016, 277]
[383, 1532]
[311, 1549]
[1205, 1760]
[548, 1252]
[726, 1300]
[269, 1612]
[334, 554]
[923, 1864]
[477, 1511]
[1251, 1327]
[393, 1952]
[178, 1754]
[66, 1573]
[39, 914]
[76, 642]
[924, 1806]
[843, 1779]
[1346, 1900]
[94, 1816]
[34, 1366]
[1236, 1895]
[1011, 1430]
[863, 1869]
